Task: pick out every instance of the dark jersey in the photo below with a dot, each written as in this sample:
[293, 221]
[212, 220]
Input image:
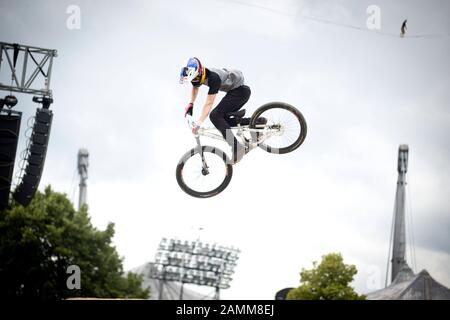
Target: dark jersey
[212, 81]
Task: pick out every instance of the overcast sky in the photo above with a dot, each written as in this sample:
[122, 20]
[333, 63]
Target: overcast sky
[116, 91]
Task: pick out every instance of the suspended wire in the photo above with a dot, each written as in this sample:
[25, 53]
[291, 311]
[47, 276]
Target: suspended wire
[340, 24]
[413, 233]
[391, 240]
[262, 7]
[411, 229]
[209, 295]
[408, 235]
[408, 255]
[73, 186]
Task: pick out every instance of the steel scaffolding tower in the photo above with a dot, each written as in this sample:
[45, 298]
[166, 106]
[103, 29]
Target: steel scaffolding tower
[25, 74]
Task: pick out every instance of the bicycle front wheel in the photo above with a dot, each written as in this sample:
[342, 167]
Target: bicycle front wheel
[285, 125]
[204, 179]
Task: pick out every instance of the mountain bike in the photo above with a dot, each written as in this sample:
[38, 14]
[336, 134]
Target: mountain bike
[205, 171]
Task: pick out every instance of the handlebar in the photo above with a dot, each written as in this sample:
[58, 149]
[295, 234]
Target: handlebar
[188, 115]
[190, 121]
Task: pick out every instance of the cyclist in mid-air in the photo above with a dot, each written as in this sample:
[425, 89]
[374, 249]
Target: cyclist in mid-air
[230, 81]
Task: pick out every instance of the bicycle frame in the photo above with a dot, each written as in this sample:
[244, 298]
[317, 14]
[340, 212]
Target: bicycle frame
[266, 132]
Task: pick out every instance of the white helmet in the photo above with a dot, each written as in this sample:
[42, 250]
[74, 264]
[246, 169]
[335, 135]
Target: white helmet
[192, 70]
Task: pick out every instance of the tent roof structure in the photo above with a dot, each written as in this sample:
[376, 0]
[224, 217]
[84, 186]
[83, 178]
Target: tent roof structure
[408, 286]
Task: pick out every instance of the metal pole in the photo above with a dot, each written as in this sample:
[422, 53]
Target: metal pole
[217, 294]
[181, 291]
[83, 192]
[161, 287]
[1, 55]
[24, 70]
[83, 164]
[399, 245]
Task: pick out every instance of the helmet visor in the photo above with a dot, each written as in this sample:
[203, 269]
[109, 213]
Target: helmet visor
[188, 74]
[183, 74]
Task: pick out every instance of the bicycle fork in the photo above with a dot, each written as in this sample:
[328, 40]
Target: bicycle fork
[205, 168]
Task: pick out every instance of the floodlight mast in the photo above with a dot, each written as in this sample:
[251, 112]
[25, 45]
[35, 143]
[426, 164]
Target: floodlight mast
[219, 279]
[42, 63]
[162, 283]
[194, 262]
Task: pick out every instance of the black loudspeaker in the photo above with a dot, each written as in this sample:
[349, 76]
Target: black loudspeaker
[36, 157]
[9, 136]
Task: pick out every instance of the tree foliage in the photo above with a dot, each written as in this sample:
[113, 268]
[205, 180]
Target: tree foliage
[39, 242]
[328, 280]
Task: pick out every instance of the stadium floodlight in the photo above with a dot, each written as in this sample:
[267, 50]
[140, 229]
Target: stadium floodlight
[195, 262]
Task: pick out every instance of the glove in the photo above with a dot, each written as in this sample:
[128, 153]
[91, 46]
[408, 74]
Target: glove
[188, 110]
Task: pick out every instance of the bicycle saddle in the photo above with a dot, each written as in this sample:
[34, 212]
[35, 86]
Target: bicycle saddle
[237, 114]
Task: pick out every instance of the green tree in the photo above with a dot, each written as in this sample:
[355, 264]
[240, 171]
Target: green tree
[39, 242]
[328, 280]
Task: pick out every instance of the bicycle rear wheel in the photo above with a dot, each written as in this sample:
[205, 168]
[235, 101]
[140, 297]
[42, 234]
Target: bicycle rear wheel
[200, 182]
[287, 126]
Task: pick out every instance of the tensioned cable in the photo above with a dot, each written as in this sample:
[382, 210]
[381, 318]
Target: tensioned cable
[73, 187]
[411, 231]
[209, 295]
[390, 243]
[340, 24]
[409, 255]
